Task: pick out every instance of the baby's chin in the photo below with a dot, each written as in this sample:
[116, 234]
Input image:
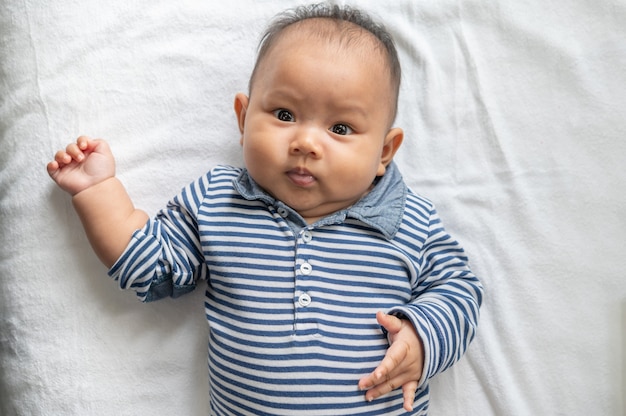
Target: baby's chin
[314, 213]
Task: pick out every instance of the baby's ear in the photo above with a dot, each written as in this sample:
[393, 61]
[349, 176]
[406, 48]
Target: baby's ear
[392, 143]
[241, 106]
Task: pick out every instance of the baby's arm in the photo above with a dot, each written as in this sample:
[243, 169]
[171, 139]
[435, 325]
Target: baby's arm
[444, 316]
[86, 170]
[403, 364]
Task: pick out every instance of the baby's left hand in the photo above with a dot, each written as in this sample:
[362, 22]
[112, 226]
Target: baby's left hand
[402, 365]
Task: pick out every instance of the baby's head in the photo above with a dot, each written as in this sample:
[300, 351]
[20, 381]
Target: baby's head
[316, 126]
[347, 27]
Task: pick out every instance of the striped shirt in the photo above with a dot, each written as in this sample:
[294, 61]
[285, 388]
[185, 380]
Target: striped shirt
[291, 306]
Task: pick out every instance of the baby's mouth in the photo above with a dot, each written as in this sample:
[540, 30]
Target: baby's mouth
[301, 177]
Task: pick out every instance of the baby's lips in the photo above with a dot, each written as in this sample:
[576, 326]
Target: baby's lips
[301, 177]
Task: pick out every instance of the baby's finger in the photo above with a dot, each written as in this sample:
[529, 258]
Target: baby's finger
[52, 168]
[75, 152]
[380, 374]
[384, 375]
[391, 323]
[408, 390]
[83, 142]
[62, 158]
[385, 386]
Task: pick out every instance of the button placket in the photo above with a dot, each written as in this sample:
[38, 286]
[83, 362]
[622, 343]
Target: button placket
[303, 300]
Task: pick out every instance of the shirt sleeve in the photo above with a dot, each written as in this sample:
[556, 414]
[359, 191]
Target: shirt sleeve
[445, 308]
[164, 258]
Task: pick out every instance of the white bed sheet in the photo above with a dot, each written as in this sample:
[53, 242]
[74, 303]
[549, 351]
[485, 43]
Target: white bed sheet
[515, 123]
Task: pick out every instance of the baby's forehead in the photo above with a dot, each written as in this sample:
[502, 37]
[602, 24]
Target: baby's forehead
[329, 37]
[333, 31]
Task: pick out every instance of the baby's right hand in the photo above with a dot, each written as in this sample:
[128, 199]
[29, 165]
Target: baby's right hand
[82, 165]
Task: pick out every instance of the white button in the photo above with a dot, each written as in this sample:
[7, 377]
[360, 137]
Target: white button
[307, 236]
[304, 300]
[282, 212]
[306, 268]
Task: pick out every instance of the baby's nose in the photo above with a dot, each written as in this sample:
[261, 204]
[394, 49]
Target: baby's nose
[306, 142]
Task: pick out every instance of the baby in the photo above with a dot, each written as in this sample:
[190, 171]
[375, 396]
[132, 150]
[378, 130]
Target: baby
[326, 275]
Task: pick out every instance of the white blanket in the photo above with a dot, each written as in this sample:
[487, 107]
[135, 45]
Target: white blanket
[515, 121]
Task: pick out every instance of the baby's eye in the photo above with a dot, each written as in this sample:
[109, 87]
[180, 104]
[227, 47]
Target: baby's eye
[341, 129]
[284, 115]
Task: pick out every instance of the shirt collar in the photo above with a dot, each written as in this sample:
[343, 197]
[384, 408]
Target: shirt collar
[382, 208]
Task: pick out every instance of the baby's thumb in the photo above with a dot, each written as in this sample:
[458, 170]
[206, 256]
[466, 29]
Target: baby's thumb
[391, 323]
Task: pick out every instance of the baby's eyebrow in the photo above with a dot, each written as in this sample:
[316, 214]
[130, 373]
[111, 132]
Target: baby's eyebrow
[352, 108]
[284, 94]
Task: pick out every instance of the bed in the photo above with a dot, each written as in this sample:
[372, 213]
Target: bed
[515, 123]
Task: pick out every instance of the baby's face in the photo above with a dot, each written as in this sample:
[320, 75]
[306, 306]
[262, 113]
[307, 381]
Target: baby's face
[315, 130]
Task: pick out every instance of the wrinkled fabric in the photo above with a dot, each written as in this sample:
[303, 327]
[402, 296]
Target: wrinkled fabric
[514, 127]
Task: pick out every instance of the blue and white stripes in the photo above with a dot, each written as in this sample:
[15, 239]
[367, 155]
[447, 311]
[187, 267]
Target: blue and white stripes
[292, 311]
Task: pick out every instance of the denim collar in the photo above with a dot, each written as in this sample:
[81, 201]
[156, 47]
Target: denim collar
[382, 208]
